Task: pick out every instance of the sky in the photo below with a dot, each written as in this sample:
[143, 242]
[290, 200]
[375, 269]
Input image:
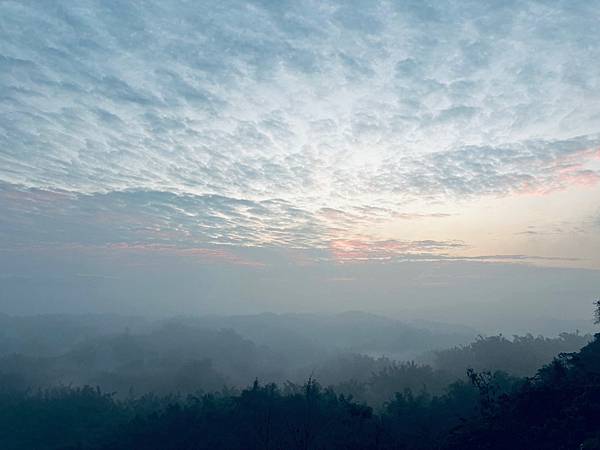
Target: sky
[391, 156]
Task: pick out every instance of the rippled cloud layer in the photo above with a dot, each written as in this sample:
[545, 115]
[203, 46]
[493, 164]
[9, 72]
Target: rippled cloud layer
[303, 125]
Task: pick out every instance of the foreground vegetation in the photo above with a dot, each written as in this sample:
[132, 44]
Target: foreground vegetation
[187, 356]
[181, 386]
[555, 409]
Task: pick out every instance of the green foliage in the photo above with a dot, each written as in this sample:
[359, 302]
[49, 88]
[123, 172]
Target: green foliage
[172, 394]
[521, 355]
[597, 311]
[558, 408]
[58, 418]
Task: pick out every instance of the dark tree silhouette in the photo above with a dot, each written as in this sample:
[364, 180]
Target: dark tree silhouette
[597, 311]
[413, 406]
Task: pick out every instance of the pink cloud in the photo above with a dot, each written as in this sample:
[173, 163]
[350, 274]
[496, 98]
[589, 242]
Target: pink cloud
[347, 250]
[202, 253]
[565, 172]
[209, 255]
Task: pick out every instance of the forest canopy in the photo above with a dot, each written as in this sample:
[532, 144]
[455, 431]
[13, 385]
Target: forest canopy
[182, 385]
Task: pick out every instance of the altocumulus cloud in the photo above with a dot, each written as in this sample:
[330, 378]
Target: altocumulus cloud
[286, 123]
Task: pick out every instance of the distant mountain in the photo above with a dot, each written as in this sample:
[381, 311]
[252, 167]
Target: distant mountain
[307, 335]
[54, 334]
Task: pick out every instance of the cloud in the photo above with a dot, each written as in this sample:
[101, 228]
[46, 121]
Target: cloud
[207, 228]
[288, 124]
[154, 219]
[207, 99]
[531, 167]
[368, 250]
[596, 220]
